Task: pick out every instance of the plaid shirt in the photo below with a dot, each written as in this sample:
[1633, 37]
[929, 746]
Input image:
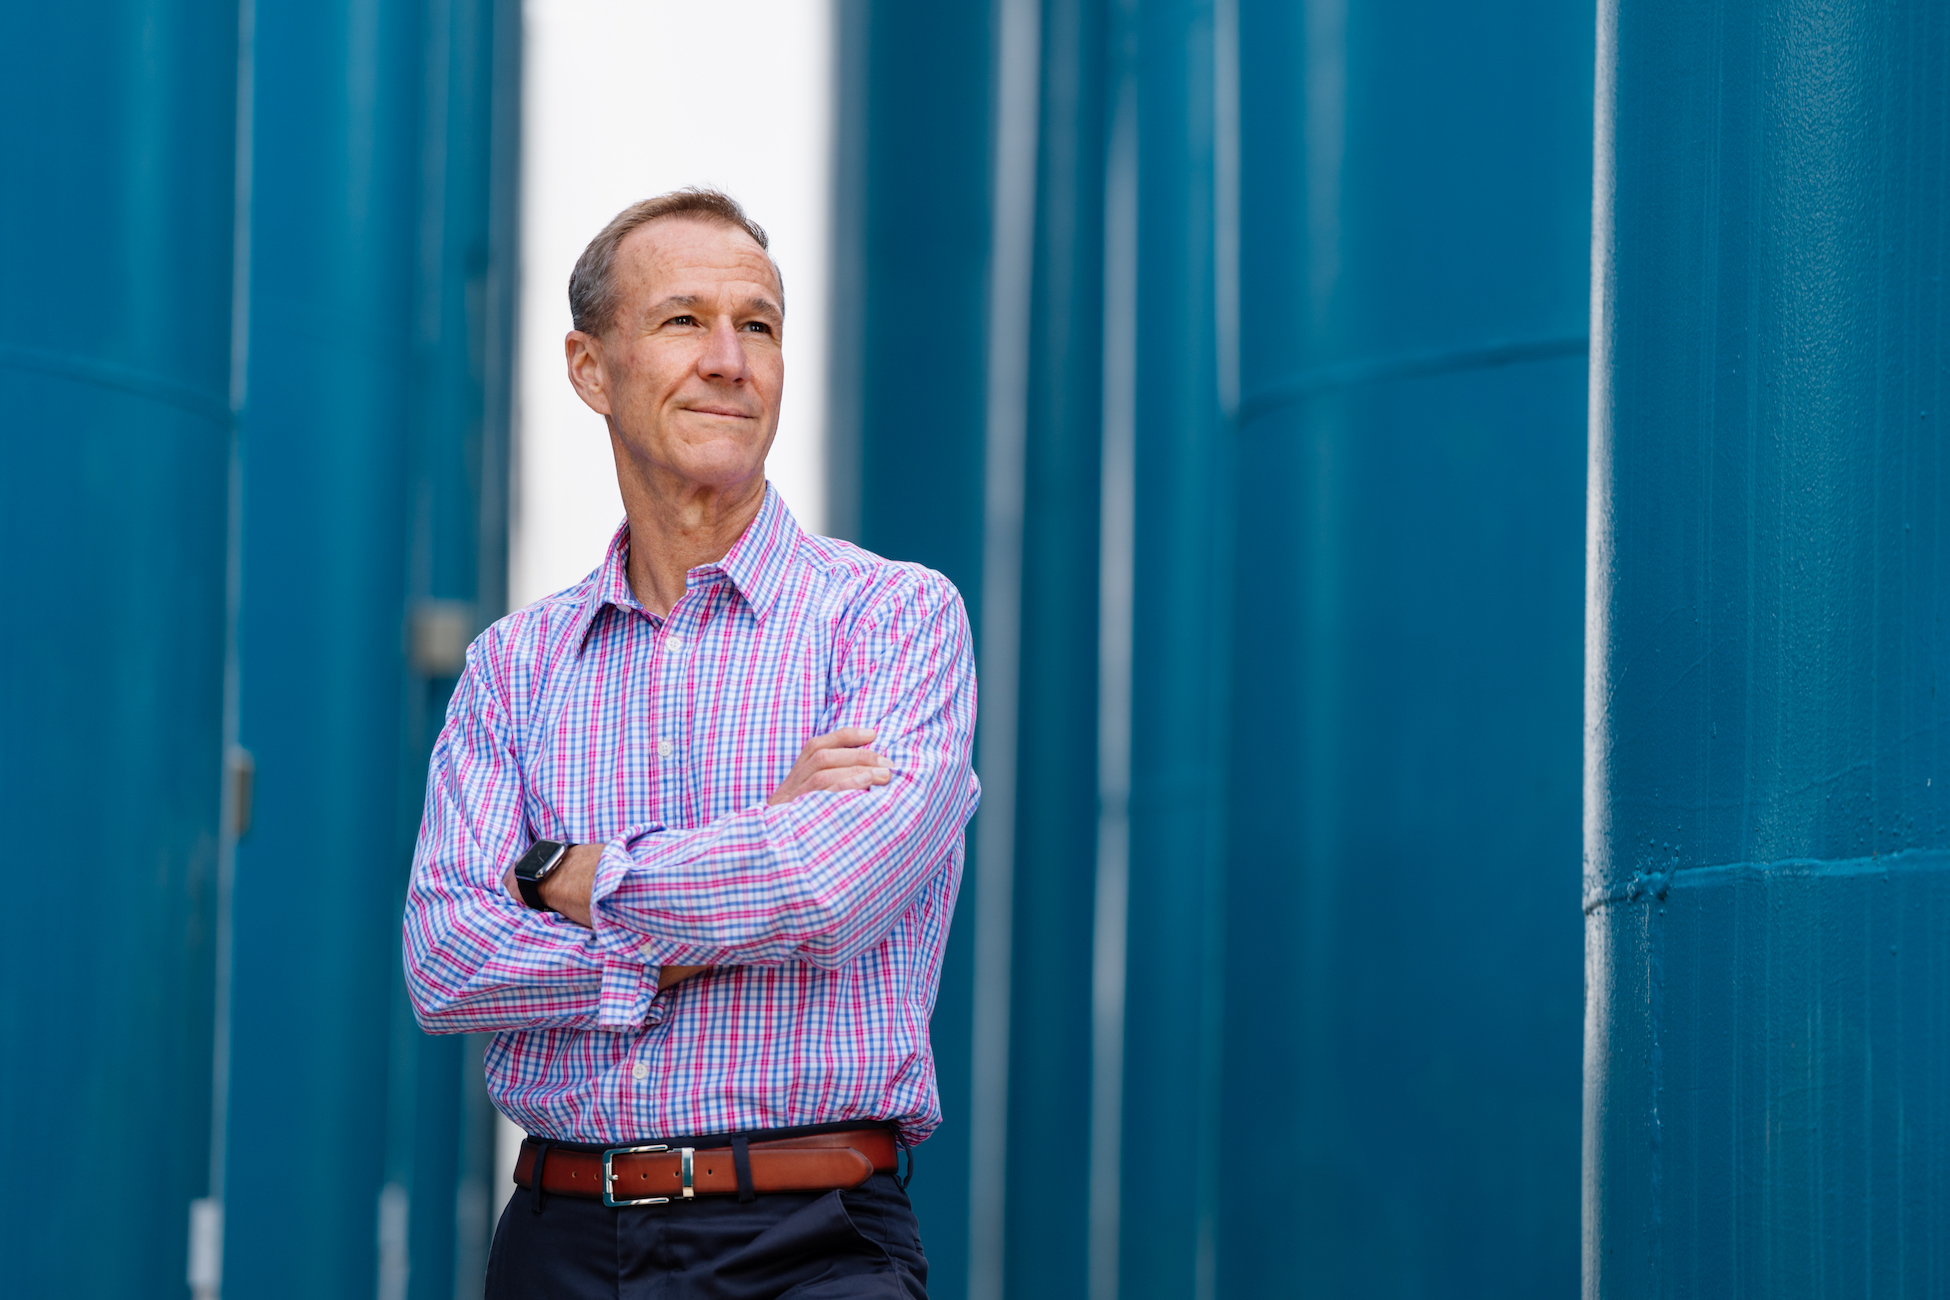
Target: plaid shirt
[585, 718]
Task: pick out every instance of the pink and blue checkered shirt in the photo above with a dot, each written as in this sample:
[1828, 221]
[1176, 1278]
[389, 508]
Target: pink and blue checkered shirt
[584, 718]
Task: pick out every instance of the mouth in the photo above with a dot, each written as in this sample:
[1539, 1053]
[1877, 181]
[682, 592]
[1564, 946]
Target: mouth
[725, 412]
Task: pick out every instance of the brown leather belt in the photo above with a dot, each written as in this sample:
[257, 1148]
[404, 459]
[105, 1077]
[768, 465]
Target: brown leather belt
[655, 1174]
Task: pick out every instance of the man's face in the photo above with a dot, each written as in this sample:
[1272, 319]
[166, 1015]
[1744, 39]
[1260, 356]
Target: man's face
[690, 370]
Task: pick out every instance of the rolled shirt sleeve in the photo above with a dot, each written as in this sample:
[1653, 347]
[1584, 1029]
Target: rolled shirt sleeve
[475, 958]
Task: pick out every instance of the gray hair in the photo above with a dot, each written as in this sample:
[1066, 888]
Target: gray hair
[592, 285]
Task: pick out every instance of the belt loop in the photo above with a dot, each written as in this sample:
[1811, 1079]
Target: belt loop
[535, 1177]
[741, 1160]
[900, 1144]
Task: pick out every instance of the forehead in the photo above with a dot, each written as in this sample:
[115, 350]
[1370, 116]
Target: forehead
[685, 255]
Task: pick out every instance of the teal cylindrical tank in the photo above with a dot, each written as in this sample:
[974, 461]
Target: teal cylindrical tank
[906, 443]
[117, 138]
[1766, 847]
[1293, 950]
[322, 640]
[1401, 975]
[1180, 670]
[375, 480]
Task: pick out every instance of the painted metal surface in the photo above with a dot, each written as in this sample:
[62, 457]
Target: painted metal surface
[1056, 785]
[1304, 419]
[1180, 663]
[374, 484]
[1400, 980]
[117, 127]
[439, 1138]
[372, 458]
[1767, 1082]
[907, 437]
[322, 639]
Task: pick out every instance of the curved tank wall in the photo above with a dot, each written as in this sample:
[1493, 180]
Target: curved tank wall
[366, 484]
[1767, 854]
[912, 230]
[1401, 957]
[322, 636]
[1298, 661]
[117, 123]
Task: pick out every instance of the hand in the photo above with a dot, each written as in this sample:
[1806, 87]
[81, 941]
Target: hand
[567, 889]
[838, 760]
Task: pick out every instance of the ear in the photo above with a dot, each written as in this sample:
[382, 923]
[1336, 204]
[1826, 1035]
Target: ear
[587, 374]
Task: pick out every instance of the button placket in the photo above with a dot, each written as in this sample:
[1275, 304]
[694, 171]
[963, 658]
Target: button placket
[670, 672]
[688, 791]
[677, 686]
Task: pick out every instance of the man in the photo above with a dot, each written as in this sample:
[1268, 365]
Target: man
[754, 744]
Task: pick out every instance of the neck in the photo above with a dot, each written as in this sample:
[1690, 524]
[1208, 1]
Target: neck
[674, 531]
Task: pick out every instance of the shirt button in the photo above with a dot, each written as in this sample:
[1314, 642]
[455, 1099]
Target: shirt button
[664, 748]
[639, 1071]
[674, 645]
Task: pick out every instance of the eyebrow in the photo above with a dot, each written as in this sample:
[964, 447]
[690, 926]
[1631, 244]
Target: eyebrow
[749, 305]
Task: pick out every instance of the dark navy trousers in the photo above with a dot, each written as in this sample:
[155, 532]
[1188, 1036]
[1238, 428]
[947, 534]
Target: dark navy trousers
[862, 1242]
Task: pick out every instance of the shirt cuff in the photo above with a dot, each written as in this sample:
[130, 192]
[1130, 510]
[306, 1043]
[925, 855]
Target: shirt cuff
[627, 1000]
[618, 942]
[613, 940]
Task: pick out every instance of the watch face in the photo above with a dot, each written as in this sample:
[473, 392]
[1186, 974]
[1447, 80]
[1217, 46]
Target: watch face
[539, 860]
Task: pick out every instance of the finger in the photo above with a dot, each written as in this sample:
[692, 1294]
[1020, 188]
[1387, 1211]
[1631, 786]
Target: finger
[831, 758]
[842, 738]
[848, 778]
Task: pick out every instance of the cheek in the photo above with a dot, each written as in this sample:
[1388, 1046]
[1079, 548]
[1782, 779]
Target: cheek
[653, 370]
[649, 392]
[768, 368]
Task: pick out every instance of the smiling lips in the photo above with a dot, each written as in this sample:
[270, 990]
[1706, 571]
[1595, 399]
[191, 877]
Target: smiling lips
[725, 411]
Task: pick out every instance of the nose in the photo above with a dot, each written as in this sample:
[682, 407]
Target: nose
[723, 358]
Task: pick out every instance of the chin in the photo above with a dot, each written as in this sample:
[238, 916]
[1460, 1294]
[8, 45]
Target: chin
[722, 466]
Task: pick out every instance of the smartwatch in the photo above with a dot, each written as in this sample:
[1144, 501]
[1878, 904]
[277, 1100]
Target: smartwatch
[535, 866]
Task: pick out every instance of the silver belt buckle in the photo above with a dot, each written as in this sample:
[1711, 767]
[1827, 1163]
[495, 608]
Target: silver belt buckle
[684, 1155]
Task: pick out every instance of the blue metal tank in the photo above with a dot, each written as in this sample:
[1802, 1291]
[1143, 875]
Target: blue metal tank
[1180, 663]
[440, 1135]
[1053, 895]
[1291, 967]
[1767, 852]
[117, 127]
[322, 639]
[1401, 958]
[907, 433]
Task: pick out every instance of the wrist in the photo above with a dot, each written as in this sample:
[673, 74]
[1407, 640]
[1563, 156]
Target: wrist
[567, 889]
[532, 873]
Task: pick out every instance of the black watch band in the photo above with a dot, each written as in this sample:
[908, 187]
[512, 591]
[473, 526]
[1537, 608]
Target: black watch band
[542, 858]
[531, 893]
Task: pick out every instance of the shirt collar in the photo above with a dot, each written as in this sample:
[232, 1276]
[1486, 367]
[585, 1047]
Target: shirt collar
[756, 564]
[758, 561]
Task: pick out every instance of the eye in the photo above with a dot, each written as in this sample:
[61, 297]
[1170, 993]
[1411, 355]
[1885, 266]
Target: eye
[682, 320]
[758, 327]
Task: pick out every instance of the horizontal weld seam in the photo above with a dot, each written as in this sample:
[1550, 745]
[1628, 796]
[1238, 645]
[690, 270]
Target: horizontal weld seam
[106, 374]
[1656, 884]
[1407, 365]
